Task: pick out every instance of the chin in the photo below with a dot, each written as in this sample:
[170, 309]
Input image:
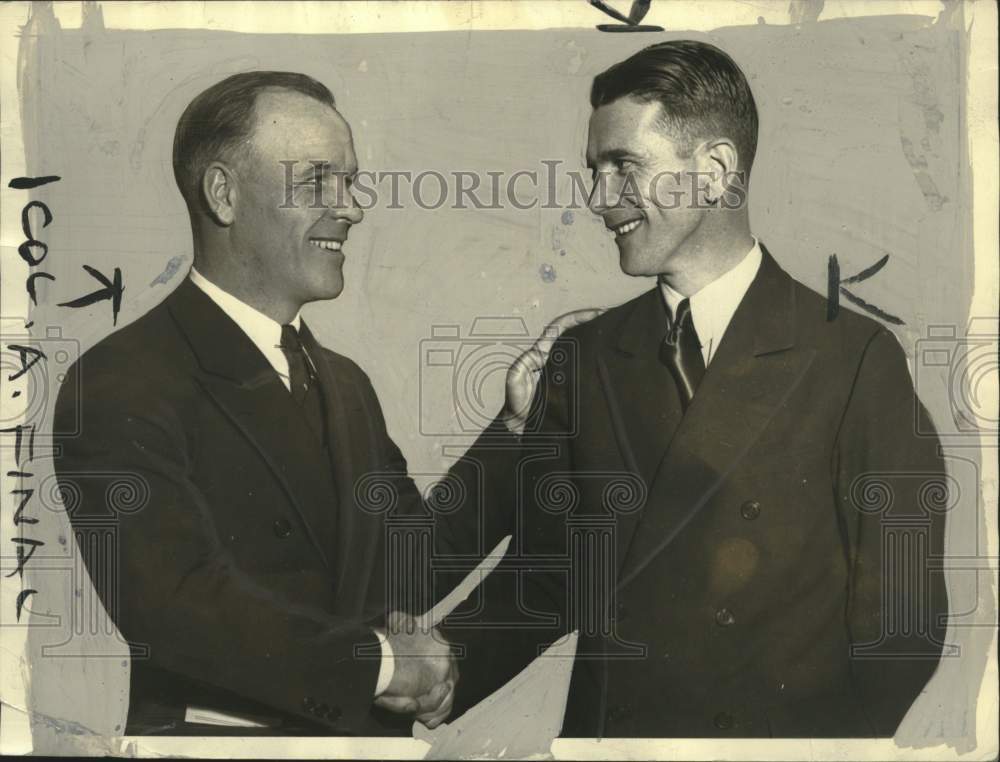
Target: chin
[334, 290]
[636, 266]
[329, 287]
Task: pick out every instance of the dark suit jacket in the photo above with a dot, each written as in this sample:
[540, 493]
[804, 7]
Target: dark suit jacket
[755, 567]
[242, 569]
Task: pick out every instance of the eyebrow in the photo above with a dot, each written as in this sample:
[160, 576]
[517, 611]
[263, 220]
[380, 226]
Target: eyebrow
[326, 168]
[313, 168]
[610, 155]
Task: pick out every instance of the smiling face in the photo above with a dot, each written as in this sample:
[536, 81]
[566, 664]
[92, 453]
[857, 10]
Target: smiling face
[290, 242]
[645, 192]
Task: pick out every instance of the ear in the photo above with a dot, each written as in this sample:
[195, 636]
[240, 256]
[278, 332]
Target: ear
[719, 163]
[219, 190]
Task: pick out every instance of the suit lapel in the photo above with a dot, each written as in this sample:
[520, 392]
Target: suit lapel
[642, 400]
[250, 393]
[349, 428]
[640, 392]
[755, 370]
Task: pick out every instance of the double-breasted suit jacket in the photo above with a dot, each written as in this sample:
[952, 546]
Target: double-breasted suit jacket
[755, 566]
[252, 572]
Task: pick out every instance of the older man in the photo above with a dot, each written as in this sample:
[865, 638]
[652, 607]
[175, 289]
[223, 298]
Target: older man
[251, 584]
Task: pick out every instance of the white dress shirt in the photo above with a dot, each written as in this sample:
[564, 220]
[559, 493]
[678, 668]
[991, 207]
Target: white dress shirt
[713, 306]
[265, 333]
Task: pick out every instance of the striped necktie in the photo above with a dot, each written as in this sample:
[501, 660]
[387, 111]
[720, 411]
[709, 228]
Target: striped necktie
[303, 382]
[681, 353]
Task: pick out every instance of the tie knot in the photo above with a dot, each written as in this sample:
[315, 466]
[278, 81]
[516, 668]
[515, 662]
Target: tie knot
[681, 353]
[679, 322]
[290, 339]
[683, 312]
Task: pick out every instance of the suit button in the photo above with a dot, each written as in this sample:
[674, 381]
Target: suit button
[282, 529]
[724, 618]
[723, 720]
[308, 703]
[750, 510]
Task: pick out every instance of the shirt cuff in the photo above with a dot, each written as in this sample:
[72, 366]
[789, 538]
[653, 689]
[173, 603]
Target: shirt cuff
[387, 667]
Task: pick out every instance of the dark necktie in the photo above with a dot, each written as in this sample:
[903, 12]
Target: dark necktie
[303, 381]
[681, 353]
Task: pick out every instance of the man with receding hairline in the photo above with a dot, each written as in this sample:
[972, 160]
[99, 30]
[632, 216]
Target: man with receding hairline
[252, 582]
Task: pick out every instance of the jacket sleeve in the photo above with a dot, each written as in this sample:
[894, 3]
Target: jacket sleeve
[183, 596]
[481, 487]
[499, 628]
[492, 473]
[892, 490]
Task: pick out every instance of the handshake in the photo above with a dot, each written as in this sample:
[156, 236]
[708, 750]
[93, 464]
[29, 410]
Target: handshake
[424, 674]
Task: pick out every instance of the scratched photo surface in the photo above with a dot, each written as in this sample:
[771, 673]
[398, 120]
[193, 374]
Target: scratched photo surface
[474, 234]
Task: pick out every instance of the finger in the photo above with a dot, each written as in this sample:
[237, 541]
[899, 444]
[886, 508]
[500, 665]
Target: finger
[431, 701]
[437, 696]
[531, 361]
[564, 322]
[522, 380]
[569, 319]
[432, 721]
[398, 704]
[399, 621]
[582, 316]
[521, 372]
[436, 717]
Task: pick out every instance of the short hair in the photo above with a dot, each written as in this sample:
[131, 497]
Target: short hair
[701, 90]
[221, 119]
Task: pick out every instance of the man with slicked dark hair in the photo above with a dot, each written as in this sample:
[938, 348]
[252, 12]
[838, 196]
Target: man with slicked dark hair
[734, 475]
[251, 583]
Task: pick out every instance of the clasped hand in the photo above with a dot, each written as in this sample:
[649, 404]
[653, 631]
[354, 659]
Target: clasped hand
[425, 672]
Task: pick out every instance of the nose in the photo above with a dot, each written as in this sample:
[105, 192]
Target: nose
[605, 194]
[345, 206]
[351, 213]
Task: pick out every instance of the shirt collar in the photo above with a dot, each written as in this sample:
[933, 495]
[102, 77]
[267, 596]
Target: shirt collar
[713, 306]
[263, 331]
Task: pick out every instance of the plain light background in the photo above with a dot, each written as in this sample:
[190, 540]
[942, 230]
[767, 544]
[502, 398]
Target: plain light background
[861, 154]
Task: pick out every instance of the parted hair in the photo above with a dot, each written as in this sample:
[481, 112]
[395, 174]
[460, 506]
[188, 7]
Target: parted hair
[220, 120]
[701, 90]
